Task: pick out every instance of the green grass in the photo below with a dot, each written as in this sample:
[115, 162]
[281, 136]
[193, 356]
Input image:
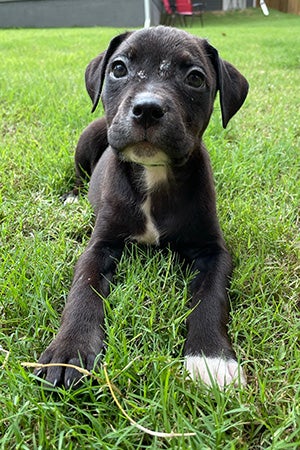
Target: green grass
[256, 163]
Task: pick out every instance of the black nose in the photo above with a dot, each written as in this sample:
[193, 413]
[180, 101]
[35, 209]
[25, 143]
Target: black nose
[147, 110]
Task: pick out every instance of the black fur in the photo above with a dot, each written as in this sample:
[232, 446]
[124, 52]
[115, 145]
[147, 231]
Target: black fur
[159, 87]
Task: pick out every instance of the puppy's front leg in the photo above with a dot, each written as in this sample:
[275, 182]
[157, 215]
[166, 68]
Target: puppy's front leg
[81, 335]
[208, 351]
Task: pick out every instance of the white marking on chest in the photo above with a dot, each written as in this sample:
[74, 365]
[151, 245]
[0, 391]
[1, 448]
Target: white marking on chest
[215, 370]
[154, 177]
[150, 234]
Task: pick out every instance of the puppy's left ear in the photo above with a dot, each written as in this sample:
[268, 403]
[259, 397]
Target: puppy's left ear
[232, 85]
[95, 71]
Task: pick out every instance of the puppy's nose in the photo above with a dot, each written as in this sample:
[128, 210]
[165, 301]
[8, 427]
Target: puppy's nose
[147, 110]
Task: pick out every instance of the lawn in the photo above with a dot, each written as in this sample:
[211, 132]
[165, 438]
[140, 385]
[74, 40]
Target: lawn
[256, 162]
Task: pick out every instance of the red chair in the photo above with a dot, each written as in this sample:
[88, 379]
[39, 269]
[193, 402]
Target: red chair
[182, 9]
[170, 12]
[167, 6]
[187, 8]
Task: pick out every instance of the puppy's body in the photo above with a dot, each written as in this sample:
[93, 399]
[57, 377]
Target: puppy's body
[153, 184]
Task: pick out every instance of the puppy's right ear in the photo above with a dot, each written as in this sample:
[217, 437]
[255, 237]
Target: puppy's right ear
[95, 71]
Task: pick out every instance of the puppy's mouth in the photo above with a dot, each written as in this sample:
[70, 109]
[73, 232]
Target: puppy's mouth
[145, 154]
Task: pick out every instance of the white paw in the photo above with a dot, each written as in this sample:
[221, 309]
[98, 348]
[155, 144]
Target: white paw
[219, 370]
[71, 198]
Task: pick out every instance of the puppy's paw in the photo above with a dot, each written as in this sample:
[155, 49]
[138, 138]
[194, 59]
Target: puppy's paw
[69, 198]
[215, 370]
[62, 359]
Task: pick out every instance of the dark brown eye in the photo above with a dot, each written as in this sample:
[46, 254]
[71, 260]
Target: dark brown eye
[195, 79]
[119, 70]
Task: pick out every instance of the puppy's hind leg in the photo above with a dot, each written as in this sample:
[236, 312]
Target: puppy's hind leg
[91, 145]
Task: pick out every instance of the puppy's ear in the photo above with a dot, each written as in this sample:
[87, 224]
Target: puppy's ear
[232, 85]
[95, 71]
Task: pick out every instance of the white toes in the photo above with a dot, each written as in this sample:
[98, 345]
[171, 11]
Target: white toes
[215, 370]
[71, 198]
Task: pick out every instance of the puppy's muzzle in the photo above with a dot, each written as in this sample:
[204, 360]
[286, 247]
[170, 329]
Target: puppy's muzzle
[148, 129]
[147, 110]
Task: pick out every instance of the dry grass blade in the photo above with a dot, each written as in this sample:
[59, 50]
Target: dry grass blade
[137, 425]
[40, 366]
[6, 356]
[110, 386]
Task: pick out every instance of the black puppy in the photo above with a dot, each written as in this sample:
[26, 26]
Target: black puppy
[153, 184]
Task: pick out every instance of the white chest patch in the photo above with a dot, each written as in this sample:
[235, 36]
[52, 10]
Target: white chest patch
[154, 177]
[150, 234]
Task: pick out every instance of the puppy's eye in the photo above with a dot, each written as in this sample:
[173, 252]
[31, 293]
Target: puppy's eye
[195, 79]
[119, 70]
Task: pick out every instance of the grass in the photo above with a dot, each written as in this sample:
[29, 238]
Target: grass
[256, 164]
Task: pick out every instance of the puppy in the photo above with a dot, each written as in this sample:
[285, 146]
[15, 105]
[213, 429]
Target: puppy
[151, 183]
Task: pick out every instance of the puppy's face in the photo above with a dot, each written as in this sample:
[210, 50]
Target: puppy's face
[158, 96]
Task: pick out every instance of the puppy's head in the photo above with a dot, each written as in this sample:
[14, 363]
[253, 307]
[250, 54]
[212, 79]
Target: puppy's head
[158, 88]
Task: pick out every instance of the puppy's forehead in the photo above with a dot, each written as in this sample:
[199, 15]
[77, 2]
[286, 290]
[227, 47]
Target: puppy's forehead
[163, 44]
